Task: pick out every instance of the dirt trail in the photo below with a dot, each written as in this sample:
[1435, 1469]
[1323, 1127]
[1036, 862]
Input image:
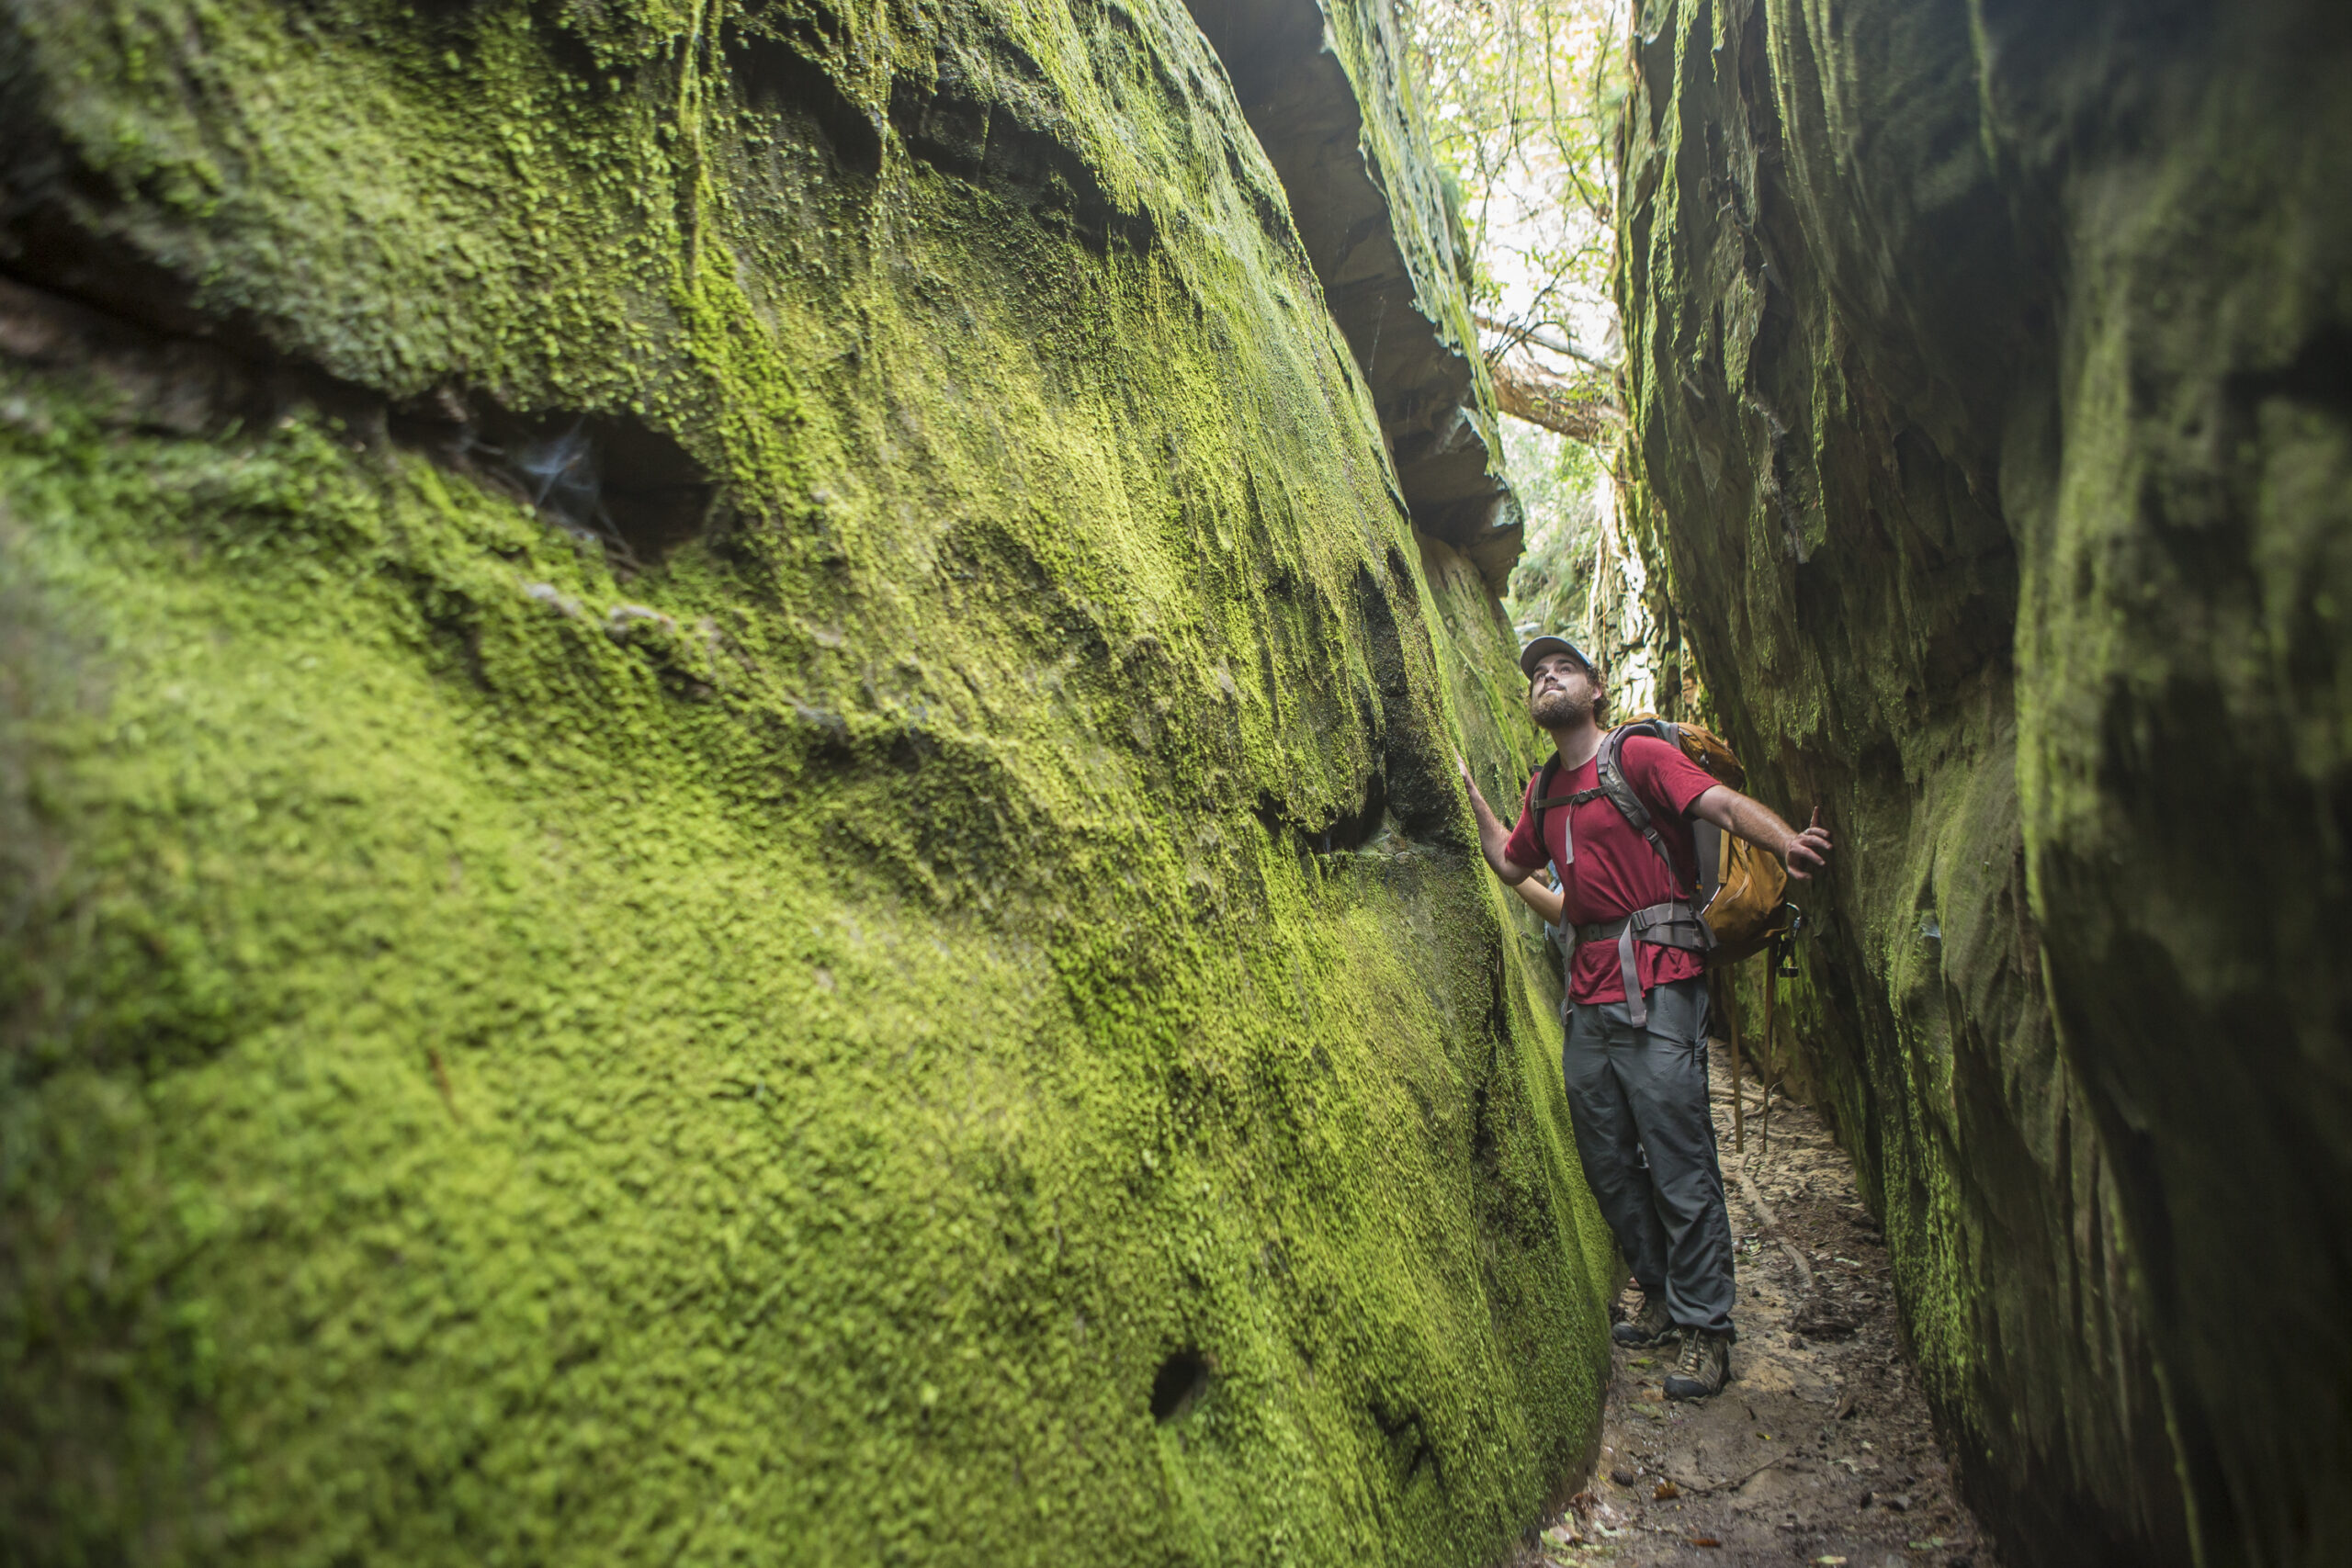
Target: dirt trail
[1819, 1451]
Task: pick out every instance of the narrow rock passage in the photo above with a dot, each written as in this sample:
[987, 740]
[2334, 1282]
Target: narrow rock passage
[1819, 1451]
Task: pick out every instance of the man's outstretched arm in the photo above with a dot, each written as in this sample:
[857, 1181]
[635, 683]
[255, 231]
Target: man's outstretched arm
[1804, 852]
[1492, 834]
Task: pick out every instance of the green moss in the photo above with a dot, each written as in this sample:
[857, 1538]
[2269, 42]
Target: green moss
[511, 1061]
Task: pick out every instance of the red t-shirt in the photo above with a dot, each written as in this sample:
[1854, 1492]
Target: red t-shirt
[1615, 871]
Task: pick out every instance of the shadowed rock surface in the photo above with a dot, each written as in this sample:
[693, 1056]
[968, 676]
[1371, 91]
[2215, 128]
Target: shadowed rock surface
[1990, 369]
[726, 819]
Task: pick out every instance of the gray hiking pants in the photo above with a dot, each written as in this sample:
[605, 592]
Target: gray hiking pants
[1646, 1090]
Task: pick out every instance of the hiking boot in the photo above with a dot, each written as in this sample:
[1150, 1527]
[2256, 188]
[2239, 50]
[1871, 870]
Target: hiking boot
[1648, 1326]
[1704, 1366]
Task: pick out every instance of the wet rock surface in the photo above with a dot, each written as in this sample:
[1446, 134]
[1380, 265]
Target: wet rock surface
[1820, 1449]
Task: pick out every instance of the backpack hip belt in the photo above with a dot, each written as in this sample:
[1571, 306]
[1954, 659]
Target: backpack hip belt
[1671, 924]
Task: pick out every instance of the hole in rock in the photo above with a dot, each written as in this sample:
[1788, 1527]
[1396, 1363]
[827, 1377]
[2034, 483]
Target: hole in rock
[615, 481]
[1178, 1386]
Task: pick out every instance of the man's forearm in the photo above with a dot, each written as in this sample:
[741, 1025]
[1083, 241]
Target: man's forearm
[1752, 820]
[1806, 855]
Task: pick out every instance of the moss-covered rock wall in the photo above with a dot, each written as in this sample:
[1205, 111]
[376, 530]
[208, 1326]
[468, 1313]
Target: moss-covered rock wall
[726, 817]
[1991, 367]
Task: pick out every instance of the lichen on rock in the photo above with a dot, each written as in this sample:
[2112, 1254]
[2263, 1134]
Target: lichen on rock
[729, 817]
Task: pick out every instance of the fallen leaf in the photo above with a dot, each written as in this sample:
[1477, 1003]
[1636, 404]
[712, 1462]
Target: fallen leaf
[1666, 1491]
[1831, 1561]
[1704, 1540]
[1582, 1501]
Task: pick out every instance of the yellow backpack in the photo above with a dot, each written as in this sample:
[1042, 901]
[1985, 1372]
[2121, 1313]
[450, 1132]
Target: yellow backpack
[1737, 889]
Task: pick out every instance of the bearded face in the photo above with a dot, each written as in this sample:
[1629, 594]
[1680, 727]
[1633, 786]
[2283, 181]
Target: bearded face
[1560, 698]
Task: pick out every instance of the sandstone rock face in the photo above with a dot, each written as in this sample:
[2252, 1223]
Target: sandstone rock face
[727, 825]
[1992, 367]
[1325, 88]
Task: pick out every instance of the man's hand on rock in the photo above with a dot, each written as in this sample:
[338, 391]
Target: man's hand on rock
[1807, 851]
[1492, 834]
[1463, 767]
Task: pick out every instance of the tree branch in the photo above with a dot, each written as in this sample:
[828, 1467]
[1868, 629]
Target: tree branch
[1568, 346]
[1528, 393]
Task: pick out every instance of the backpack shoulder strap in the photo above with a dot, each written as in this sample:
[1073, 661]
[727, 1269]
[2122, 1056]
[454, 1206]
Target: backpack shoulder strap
[1539, 794]
[1621, 791]
[1541, 800]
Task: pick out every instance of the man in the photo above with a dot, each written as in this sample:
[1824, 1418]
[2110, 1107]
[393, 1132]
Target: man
[1636, 1067]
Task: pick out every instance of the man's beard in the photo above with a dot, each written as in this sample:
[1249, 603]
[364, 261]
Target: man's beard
[1559, 708]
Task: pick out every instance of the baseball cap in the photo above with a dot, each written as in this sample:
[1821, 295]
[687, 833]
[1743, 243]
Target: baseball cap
[1548, 644]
